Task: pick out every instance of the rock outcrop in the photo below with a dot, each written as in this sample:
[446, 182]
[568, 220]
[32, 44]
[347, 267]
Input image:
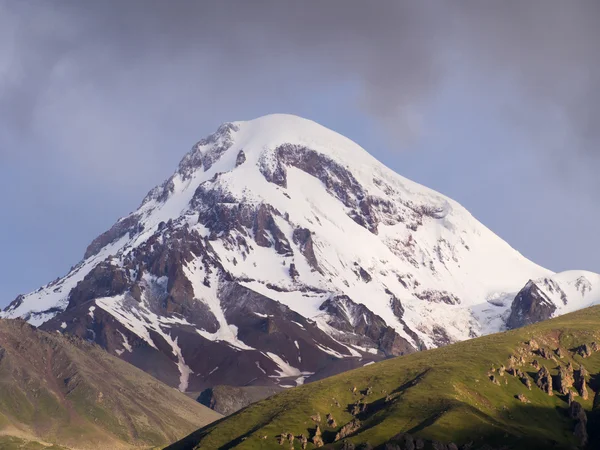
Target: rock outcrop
[543, 380]
[531, 305]
[350, 428]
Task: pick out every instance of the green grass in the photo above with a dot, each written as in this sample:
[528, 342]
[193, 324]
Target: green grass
[443, 394]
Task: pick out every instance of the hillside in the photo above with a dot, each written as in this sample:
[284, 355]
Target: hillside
[64, 391]
[463, 393]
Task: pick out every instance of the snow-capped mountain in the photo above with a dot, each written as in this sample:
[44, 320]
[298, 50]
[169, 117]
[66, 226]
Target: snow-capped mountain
[281, 251]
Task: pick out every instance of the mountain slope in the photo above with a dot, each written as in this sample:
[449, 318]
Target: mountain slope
[463, 393]
[65, 391]
[279, 253]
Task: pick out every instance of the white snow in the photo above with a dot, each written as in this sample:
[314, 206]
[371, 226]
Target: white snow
[91, 311]
[126, 344]
[63, 325]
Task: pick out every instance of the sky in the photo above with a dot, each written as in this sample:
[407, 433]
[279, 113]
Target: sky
[495, 104]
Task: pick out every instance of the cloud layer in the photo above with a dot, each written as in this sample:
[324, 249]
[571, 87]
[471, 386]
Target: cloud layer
[99, 100]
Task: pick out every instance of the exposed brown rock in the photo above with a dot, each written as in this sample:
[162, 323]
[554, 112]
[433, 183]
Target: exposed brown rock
[294, 274]
[358, 407]
[535, 364]
[570, 397]
[316, 418]
[584, 351]
[523, 399]
[565, 380]
[494, 380]
[331, 421]
[580, 383]
[303, 441]
[317, 439]
[543, 380]
[559, 352]
[545, 353]
[350, 428]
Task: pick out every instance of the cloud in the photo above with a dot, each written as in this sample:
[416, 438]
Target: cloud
[108, 69]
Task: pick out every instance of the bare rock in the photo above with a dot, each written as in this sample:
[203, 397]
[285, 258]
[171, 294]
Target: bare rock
[570, 397]
[530, 305]
[350, 428]
[523, 399]
[316, 418]
[543, 380]
[565, 380]
[358, 407]
[581, 386]
[331, 421]
[584, 351]
[317, 438]
[240, 159]
[303, 441]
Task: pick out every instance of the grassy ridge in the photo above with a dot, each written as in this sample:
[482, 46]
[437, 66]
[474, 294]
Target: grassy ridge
[442, 394]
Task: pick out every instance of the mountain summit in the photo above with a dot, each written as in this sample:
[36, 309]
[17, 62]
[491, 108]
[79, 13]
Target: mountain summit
[281, 252]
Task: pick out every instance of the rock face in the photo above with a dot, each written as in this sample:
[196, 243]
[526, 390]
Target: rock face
[580, 383]
[577, 413]
[228, 399]
[529, 306]
[565, 380]
[351, 427]
[543, 380]
[278, 253]
[550, 296]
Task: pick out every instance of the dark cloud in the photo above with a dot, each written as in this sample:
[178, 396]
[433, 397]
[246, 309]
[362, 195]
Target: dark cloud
[99, 99]
[56, 54]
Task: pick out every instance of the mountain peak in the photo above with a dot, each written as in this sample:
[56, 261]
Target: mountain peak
[285, 252]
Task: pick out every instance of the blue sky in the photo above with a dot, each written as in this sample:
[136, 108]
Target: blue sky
[93, 117]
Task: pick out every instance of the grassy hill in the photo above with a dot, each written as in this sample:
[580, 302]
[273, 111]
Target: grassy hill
[58, 392]
[455, 394]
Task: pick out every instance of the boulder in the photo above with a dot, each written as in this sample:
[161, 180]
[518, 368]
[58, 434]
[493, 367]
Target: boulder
[331, 421]
[317, 439]
[350, 428]
[565, 380]
[543, 380]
